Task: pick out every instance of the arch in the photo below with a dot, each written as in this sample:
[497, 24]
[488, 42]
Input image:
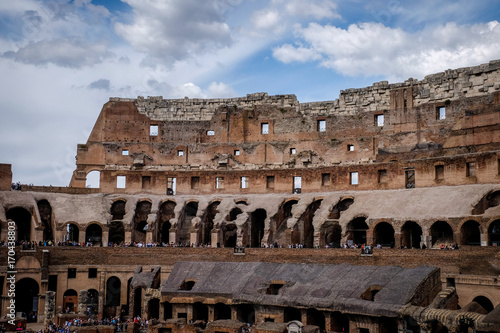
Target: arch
[222, 311]
[140, 221]
[93, 179]
[184, 226]
[113, 291]
[339, 322]
[22, 217]
[165, 214]
[411, 235]
[246, 313]
[117, 209]
[207, 223]
[303, 232]
[277, 232]
[93, 234]
[28, 262]
[229, 234]
[27, 290]
[93, 301]
[291, 313]
[72, 233]
[70, 301]
[441, 232]
[154, 309]
[485, 303]
[341, 206]
[470, 233]
[233, 214]
[256, 226]
[116, 232]
[316, 317]
[494, 233]
[167, 310]
[45, 211]
[383, 233]
[200, 311]
[356, 230]
[331, 233]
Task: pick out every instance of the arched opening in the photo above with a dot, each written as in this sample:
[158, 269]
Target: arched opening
[290, 314]
[70, 301]
[384, 234]
[140, 221]
[45, 211]
[229, 234]
[388, 325]
[118, 209]
[485, 303]
[494, 233]
[93, 234]
[257, 223]
[246, 313]
[317, 318]
[93, 301]
[184, 227]
[331, 232]
[93, 179]
[137, 302]
[154, 309]
[207, 224]
[341, 206]
[113, 291]
[233, 214]
[200, 311]
[356, 231]
[23, 222]
[339, 322]
[165, 214]
[441, 233]
[222, 311]
[411, 235]
[277, 232]
[27, 298]
[470, 233]
[167, 311]
[116, 232]
[72, 233]
[305, 226]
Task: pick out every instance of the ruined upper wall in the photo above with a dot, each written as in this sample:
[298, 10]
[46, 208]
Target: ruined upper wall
[448, 85]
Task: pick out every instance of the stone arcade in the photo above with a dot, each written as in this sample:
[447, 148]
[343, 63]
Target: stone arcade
[406, 166]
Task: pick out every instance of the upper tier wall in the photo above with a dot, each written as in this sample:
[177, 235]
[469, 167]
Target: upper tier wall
[448, 85]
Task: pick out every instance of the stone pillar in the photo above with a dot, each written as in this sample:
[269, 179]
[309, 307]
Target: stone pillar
[234, 313]
[214, 238]
[397, 240]
[211, 313]
[484, 239]
[50, 307]
[172, 236]
[102, 293]
[193, 237]
[149, 235]
[105, 238]
[328, 321]
[82, 302]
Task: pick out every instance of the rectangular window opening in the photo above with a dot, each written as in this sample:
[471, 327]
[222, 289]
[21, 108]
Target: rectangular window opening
[350, 147]
[379, 120]
[270, 182]
[325, 179]
[382, 176]
[153, 130]
[441, 113]
[92, 273]
[195, 183]
[293, 151]
[121, 181]
[219, 182]
[297, 184]
[180, 153]
[264, 128]
[146, 182]
[244, 182]
[353, 178]
[236, 153]
[439, 171]
[171, 184]
[71, 273]
[125, 152]
[321, 125]
[471, 169]
[410, 178]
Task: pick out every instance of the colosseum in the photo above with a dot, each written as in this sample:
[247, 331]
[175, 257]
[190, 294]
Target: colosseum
[375, 212]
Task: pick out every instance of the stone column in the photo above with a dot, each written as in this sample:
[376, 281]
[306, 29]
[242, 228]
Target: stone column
[484, 239]
[102, 293]
[214, 238]
[50, 307]
[105, 238]
[82, 302]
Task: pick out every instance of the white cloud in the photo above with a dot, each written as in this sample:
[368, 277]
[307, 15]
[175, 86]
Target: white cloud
[267, 19]
[371, 49]
[315, 9]
[220, 89]
[170, 31]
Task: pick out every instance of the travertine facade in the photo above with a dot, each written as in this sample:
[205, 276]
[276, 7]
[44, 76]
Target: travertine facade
[405, 166]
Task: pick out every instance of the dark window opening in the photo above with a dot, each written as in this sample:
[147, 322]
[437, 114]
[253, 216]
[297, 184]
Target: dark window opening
[325, 179]
[471, 169]
[439, 172]
[92, 273]
[146, 182]
[71, 273]
[187, 285]
[195, 183]
[382, 176]
[274, 288]
[270, 182]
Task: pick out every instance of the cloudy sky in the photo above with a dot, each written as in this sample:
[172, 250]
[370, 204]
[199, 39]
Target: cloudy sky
[61, 60]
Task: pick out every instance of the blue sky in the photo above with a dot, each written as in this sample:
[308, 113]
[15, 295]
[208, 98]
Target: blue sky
[61, 60]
